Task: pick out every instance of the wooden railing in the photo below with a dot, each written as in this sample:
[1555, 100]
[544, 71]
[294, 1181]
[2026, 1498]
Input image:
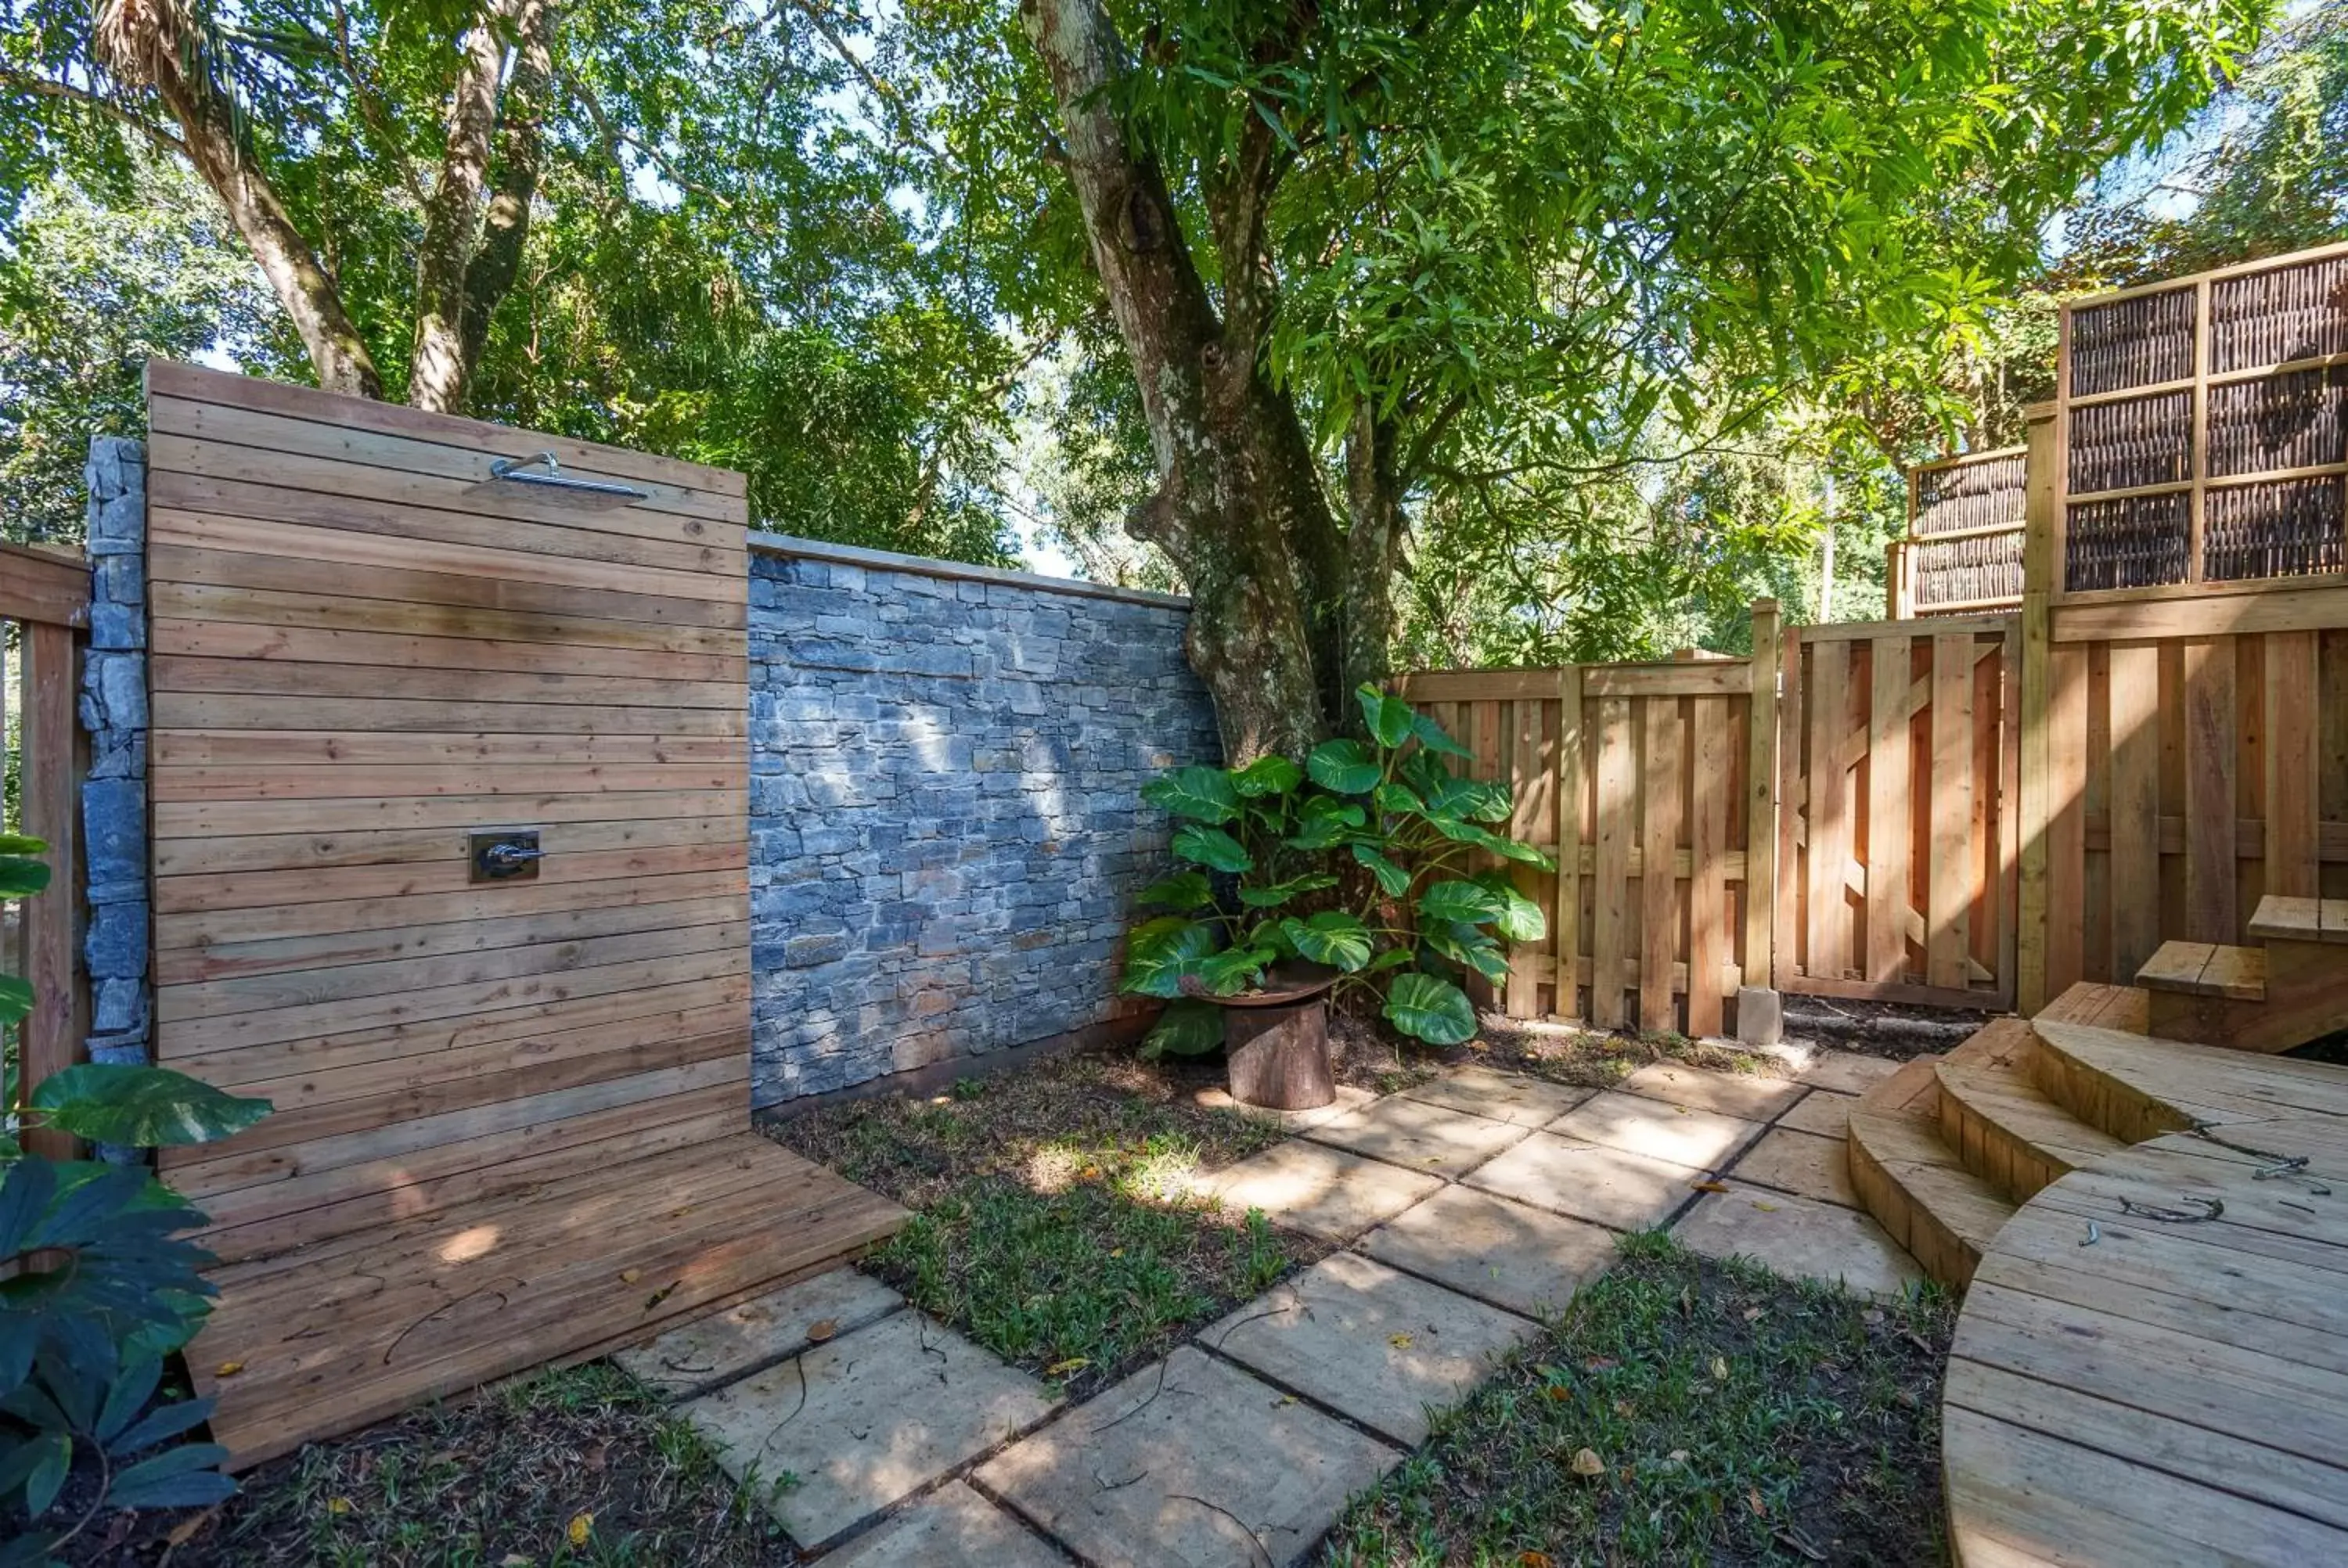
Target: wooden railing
[44, 600]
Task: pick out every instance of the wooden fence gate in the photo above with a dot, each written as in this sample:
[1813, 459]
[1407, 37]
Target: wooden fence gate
[1899, 751]
[44, 600]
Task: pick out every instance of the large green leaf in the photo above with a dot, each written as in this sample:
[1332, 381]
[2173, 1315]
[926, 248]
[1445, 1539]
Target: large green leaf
[1270, 773]
[1431, 1010]
[1232, 971]
[1212, 847]
[16, 999]
[1430, 734]
[22, 844]
[1189, 1026]
[141, 1107]
[1158, 953]
[1387, 717]
[1347, 767]
[1323, 824]
[1519, 920]
[20, 877]
[1332, 936]
[1202, 795]
[1182, 892]
[1484, 838]
[1467, 945]
[1398, 800]
[1456, 900]
[1393, 880]
[1280, 893]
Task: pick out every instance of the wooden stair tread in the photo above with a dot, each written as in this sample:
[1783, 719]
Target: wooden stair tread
[1913, 1184]
[1911, 1091]
[2280, 918]
[2207, 969]
[2191, 1082]
[2002, 1094]
[2128, 1007]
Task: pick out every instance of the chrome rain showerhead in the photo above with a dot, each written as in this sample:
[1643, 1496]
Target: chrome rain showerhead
[587, 495]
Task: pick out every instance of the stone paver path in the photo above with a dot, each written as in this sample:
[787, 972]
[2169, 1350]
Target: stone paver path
[1464, 1208]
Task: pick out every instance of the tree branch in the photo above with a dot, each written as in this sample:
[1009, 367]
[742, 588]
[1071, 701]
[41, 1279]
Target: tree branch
[98, 103]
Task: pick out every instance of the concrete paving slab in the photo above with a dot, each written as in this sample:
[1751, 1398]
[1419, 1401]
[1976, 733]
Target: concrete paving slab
[1370, 1342]
[696, 1357]
[1849, 1072]
[1421, 1135]
[1326, 1192]
[1800, 1238]
[953, 1527]
[1189, 1462]
[864, 1420]
[1800, 1163]
[1348, 1098]
[1703, 1139]
[1745, 1094]
[1507, 1253]
[1503, 1096]
[1589, 1181]
[1821, 1111]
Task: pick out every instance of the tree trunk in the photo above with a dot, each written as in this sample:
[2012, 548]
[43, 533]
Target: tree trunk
[1239, 506]
[157, 42]
[435, 368]
[1373, 548]
[505, 230]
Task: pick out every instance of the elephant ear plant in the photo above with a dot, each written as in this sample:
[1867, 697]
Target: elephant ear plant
[1362, 860]
[95, 1286]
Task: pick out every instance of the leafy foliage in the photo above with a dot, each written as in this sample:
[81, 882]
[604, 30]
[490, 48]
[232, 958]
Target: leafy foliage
[1318, 864]
[97, 1286]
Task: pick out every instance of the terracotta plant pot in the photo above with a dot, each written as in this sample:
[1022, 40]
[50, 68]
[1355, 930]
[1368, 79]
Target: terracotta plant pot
[1276, 1040]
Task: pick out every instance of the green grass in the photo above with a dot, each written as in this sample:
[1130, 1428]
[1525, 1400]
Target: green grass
[506, 1477]
[1732, 1417]
[1053, 1220]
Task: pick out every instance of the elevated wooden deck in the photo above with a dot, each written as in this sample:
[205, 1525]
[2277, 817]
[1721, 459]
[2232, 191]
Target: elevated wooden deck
[332, 1336]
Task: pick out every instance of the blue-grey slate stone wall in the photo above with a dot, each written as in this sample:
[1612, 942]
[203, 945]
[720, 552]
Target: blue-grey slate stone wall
[945, 813]
[114, 713]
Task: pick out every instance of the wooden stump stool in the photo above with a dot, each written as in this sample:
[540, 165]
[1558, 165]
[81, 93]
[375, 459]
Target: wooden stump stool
[1280, 1055]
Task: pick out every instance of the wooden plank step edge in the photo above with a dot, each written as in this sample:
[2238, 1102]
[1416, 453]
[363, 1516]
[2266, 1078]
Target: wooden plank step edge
[2206, 970]
[2285, 919]
[1911, 1183]
[2008, 1132]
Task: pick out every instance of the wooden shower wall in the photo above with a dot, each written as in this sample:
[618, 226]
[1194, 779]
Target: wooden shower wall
[360, 653]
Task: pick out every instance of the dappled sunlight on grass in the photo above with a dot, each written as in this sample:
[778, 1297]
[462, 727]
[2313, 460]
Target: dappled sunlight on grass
[1057, 1216]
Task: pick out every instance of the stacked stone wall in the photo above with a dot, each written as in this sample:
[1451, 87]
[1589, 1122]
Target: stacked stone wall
[946, 823]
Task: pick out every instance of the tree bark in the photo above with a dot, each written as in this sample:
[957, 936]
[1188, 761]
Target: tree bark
[521, 138]
[1374, 548]
[452, 214]
[153, 43]
[1238, 505]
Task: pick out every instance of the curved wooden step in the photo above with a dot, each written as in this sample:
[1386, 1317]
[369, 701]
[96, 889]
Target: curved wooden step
[1914, 1183]
[2007, 1132]
[2136, 1088]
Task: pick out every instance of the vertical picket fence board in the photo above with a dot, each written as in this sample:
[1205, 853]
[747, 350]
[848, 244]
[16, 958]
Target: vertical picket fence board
[2066, 824]
[2210, 720]
[1659, 800]
[1953, 873]
[1530, 777]
[2135, 795]
[1789, 954]
[1618, 785]
[1709, 942]
[1763, 738]
[1889, 843]
[1829, 814]
[49, 784]
[1572, 791]
[2294, 846]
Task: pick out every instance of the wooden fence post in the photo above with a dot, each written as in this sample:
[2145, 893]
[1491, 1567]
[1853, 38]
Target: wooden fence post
[1761, 802]
[1572, 792]
[2038, 569]
[48, 1040]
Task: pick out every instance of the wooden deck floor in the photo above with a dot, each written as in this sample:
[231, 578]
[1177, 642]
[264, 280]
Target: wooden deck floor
[345, 1332]
[2163, 1391]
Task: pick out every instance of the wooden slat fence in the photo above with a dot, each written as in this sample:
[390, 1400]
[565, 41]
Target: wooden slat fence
[1962, 551]
[1899, 747]
[1637, 777]
[43, 606]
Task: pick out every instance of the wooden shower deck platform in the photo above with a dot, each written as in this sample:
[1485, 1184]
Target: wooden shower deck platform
[2138, 1377]
[349, 1330]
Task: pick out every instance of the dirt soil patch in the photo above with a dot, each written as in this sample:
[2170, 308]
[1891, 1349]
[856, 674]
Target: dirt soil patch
[1685, 1410]
[567, 1467]
[1054, 1221]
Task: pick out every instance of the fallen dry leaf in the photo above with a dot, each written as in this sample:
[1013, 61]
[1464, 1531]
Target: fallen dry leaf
[1532, 1559]
[1751, 1313]
[822, 1329]
[1587, 1463]
[1720, 1368]
[1765, 1208]
[1871, 1316]
[185, 1530]
[1072, 1364]
[582, 1525]
[1399, 1341]
[1753, 1501]
[1478, 1045]
[228, 1368]
[1558, 1391]
[339, 1506]
[630, 1276]
[1625, 1408]
[1709, 1186]
[1678, 1456]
